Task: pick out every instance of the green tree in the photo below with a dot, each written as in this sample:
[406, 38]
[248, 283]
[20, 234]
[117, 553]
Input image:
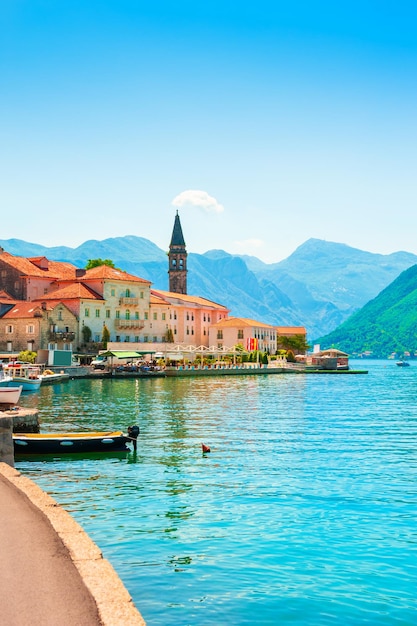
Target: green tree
[296, 343]
[105, 337]
[86, 331]
[97, 262]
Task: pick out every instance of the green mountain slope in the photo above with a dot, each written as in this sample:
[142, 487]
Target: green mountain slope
[386, 324]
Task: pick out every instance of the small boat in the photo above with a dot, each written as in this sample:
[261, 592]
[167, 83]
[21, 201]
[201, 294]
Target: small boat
[27, 376]
[403, 364]
[71, 443]
[10, 395]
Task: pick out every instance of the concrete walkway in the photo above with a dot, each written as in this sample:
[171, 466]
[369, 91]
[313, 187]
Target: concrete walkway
[51, 573]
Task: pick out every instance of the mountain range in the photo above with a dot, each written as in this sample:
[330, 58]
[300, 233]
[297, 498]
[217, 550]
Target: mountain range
[319, 286]
[386, 324]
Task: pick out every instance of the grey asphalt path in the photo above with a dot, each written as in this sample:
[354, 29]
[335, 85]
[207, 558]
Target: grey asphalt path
[39, 583]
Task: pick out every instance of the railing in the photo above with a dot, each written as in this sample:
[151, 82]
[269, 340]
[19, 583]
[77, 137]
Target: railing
[129, 301]
[129, 323]
[57, 335]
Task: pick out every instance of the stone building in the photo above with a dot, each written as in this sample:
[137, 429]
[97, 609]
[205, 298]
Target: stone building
[35, 326]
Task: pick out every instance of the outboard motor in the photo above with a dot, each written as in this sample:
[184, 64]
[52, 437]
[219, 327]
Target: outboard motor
[133, 433]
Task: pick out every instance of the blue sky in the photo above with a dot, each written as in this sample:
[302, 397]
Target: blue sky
[263, 123]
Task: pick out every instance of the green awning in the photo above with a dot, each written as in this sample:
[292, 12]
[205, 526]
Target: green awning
[121, 354]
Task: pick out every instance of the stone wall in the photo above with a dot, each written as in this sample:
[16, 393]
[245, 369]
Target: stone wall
[6, 441]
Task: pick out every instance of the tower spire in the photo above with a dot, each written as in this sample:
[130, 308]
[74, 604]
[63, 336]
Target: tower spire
[177, 259]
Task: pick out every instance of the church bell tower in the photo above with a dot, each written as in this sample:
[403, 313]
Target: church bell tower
[177, 260]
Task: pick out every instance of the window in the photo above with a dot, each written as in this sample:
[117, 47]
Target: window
[188, 331]
[113, 292]
[127, 293]
[141, 295]
[30, 329]
[9, 329]
[145, 338]
[127, 338]
[117, 337]
[164, 317]
[127, 314]
[155, 339]
[174, 262]
[204, 331]
[181, 263]
[240, 334]
[145, 315]
[117, 314]
[96, 338]
[219, 334]
[188, 316]
[87, 312]
[192, 330]
[136, 338]
[208, 318]
[60, 315]
[97, 312]
[155, 316]
[175, 315]
[108, 313]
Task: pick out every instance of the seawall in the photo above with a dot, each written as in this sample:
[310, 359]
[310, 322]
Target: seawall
[32, 510]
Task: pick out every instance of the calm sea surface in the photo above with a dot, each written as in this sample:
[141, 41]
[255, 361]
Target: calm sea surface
[304, 512]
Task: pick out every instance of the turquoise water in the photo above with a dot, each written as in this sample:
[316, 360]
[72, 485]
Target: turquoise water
[304, 512]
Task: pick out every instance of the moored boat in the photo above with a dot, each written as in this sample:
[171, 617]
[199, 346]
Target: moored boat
[72, 443]
[27, 376]
[10, 395]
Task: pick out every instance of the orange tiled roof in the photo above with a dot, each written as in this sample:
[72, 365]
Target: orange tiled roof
[110, 273]
[73, 291]
[56, 269]
[5, 297]
[24, 309]
[155, 299]
[233, 322]
[291, 330]
[179, 298]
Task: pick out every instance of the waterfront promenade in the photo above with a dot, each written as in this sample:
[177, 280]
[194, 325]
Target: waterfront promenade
[51, 572]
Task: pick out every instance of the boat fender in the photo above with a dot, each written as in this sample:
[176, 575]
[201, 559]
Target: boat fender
[133, 433]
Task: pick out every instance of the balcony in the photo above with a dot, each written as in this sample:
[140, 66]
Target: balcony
[129, 301]
[118, 323]
[59, 335]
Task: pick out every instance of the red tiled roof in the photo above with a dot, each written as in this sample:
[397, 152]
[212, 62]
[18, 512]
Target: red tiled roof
[73, 291]
[291, 330]
[179, 298]
[241, 322]
[5, 297]
[106, 272]
[56, 269]
[23, 309]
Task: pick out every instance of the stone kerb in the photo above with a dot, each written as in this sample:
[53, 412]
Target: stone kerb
[6, 441]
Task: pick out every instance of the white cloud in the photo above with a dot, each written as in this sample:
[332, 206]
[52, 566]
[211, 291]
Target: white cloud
[199, 199]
